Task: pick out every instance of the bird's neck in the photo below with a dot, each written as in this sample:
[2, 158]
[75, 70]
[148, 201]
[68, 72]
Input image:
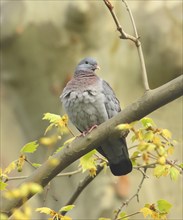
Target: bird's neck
[84, 74]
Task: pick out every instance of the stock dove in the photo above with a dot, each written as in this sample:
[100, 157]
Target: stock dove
[90, 101]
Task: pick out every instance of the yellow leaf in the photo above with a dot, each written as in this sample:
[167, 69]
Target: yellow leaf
[2, 185]
[166, 133]
[122, 127]
[66, 218]
[162, 160]
[51, 117]
[146, 211]
[3, 216]
[44, 210]
[48, 141]
[170, 150]
[10, 167]
[156, 140]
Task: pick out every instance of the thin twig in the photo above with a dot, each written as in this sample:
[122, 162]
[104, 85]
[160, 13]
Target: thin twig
[127, 216]
[81, 186]
[144, 176]
[124, 35]
[139, 48]
[59, 175]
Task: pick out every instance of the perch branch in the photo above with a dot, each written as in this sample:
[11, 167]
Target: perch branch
[149, 102]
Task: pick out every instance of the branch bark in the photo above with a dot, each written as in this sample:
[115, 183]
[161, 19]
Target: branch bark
[149, 102]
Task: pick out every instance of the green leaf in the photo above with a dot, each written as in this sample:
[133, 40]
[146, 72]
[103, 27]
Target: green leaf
[148, 136]
[164, 206]
[44, 210]
[87, 162]
[3, 185]
[66, 208]
[30, 147]
[174, 173]
[36, 165]
[147, 122]
[51, 117]
[181, 165]
[123, 216]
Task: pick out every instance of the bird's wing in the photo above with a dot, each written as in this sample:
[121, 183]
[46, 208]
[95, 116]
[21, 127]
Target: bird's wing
[112, 104]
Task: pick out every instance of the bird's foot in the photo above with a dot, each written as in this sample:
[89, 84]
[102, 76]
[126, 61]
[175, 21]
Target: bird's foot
[84, 133]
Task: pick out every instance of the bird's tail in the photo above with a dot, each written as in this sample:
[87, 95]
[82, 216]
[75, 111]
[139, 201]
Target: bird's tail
[122, 168]
[116, 151]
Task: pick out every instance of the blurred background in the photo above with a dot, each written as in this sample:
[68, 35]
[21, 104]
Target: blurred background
[41, 43]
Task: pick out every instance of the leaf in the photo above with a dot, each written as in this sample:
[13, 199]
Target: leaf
[3, 216]
[10, 167]
[174, 173]
[166, 133]
[36, 165]
[2, 185]
[51, 117]
[87, 162]
[164, 206]
[44, 210]
[146, 211]
[123, 216]
[161, 170]
[66, 208]
[147, 122]
[66, 218]
[170, 150]
[162, 160]
[122, 127]
[30, 147]
[148, 136]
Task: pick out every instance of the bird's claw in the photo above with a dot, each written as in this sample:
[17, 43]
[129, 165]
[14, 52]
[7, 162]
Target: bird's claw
[84, 133]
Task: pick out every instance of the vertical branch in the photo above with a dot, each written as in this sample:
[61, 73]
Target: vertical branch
[124, 35]
[139, 48]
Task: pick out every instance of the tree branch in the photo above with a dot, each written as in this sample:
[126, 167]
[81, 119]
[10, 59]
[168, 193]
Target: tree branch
[133, 196]
[149, 102]
[82, 185]
[135, 39]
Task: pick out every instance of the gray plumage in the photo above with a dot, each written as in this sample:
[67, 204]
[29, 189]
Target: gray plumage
[88, 101]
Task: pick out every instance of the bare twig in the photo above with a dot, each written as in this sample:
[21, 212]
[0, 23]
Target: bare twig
[82, 185]
[123, 35]
[144, 176]
[139, 48]
[127, 216]
[59, 175]
[135, 39]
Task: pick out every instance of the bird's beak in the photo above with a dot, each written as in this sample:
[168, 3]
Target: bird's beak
[98, 67]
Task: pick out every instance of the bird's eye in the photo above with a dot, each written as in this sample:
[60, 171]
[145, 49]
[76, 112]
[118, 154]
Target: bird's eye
[86, 62]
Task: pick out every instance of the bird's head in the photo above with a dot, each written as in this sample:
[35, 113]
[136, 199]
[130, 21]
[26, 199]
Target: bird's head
[88, 64]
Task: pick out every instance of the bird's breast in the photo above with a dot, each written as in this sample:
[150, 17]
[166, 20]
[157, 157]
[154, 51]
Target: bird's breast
[85, 108]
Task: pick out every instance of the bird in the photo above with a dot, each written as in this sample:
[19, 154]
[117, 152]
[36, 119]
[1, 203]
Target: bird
[89, 101]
